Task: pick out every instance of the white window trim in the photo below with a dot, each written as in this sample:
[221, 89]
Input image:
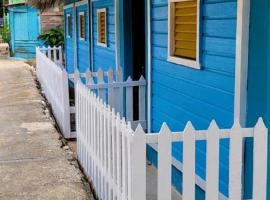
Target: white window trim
[80, 33]
[68, 25]
[99, 43]
[177, 60]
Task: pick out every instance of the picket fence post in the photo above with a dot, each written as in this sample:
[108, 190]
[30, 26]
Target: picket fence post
[164, 163]
[189, 162]
[260, 161]
[235, 164]
[138, 171]
[212, 162]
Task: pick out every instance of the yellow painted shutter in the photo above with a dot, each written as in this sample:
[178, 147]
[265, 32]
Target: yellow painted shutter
[185, 29]
[82, 26]
[102, 27]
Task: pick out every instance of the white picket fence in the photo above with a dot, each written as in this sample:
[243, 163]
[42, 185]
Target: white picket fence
[109, 85]
[54, 82]
[54, 53]
[114, 156]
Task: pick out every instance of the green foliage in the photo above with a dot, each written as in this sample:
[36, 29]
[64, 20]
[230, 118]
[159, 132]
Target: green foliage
[53, 37]
[5, 31]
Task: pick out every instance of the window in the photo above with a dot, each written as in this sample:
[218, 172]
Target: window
[82, 25]
[183, 40]
[68, 26]
[102, 27]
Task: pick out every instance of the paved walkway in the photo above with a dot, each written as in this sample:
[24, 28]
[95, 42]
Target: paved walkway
[32, 164]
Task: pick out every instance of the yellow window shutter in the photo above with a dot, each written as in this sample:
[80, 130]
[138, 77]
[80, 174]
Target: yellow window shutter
[82, 26]
[102, 27]
[185, 29]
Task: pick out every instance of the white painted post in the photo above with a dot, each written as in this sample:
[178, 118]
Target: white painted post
[260, 161]
[138, 171]
[129, 100]
[212, 162]
[164, 163]
[189, 162]
[235, 166]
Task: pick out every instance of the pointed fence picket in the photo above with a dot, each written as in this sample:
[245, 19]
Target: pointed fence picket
[113, 155]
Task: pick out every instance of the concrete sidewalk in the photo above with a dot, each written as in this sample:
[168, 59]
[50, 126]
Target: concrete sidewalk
[32, 164]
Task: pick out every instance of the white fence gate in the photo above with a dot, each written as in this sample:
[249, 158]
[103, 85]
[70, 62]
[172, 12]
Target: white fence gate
[54, 81]
[114, 156]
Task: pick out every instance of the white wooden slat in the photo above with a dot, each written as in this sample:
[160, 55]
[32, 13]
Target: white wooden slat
[189, 162]
[212, 162]
[101, 133]
[118, 155]
[138, 158]
[260, 161]
[116, 102]
[235, 163]
[142, 100]
[129, 161]
[109, 152]
[164, 163]
[61, 55]
[49, 52]
[88, 76]
[124, 159]
[110, 89]
[101, 91]
[54, 54]
[114, 178]
[76, 76]
[129, 101]
[121, 92]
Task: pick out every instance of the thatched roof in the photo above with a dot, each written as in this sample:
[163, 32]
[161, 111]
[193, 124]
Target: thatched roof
[44, 4]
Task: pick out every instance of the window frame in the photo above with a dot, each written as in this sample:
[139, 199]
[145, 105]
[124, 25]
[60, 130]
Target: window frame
[106, 42]
[68, 26]
[171, 57]
[82, 13]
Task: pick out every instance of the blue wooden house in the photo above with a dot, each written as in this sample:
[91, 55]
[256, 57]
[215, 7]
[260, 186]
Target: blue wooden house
[203, 59]
[24, 23]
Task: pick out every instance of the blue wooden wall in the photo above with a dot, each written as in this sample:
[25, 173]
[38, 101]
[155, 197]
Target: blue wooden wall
[75, 45]
[24, 25]
[198, 95]
[69, 42]
[104, 57]
[83, 46]
[258, 80]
